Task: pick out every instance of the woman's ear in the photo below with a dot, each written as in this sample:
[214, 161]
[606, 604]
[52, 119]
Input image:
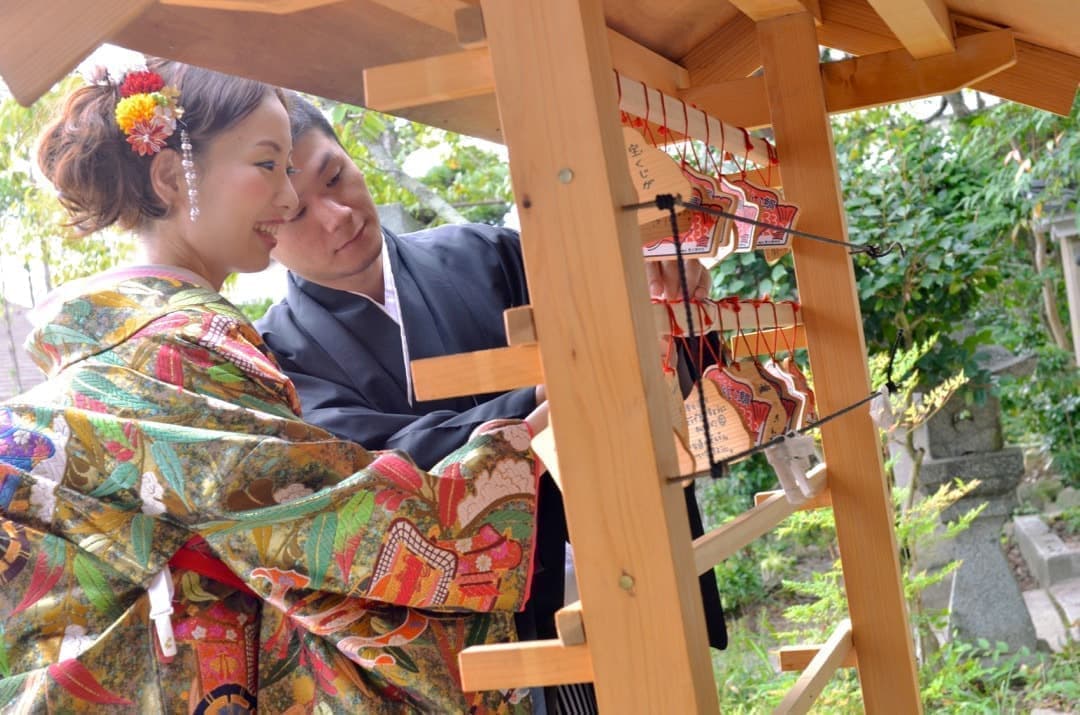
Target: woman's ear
[167, 178]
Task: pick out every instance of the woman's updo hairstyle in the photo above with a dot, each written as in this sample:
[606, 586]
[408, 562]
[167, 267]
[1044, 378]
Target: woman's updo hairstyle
[101, 180]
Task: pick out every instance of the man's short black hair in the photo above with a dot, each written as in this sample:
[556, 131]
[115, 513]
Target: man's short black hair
[305, 116]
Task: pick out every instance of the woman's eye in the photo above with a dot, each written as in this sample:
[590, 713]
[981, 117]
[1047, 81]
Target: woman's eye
[268, 165]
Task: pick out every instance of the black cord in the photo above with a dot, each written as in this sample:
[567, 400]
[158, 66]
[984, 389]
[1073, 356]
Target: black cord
[666, 202]
[872, 250]
[892, 386]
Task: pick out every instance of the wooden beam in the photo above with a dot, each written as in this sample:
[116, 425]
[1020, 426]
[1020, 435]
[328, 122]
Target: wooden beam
[1041, 78]
[639, 62]
[433, 79]
[830, 309]
[477, 373]
[766, 342]
[758, 10]
[821, 500]
[854, 27]
[469, 28]
[888, 77]
[569, 624]
[798, 657]
[810, 684]
[518, 322]
[533, 663]
[921, 25]
[871, 80]
[729, 53]
[457, 75]
[274, 7]
[46, 40]
[570, 177]
[726, 540]
[719, 315]
[434, 13]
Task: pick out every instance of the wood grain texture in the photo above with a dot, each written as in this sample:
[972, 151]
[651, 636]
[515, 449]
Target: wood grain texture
[818, 672]
[533, 663]
[921, 25]
[830, 311]
[477, 373]
[609, 417]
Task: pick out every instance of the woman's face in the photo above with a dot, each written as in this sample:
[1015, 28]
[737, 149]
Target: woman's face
[244, 193]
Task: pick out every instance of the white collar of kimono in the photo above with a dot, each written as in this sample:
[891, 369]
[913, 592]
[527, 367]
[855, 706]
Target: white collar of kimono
[390, 305]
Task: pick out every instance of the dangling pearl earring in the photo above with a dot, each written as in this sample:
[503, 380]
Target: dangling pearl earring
[189, 174]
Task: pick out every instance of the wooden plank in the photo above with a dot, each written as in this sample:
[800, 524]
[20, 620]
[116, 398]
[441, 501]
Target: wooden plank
[570, 177]
[274, 7]
[921, 25]
[635, 60]
[729, 53]
[798, 657]
[1041, 78]
[767, 342]
[869, 81]
[569, 624]
[519, 326]
[821, 500]
[830, 309]
[46, 40]
[434, 13]
[533, 663]
[543, 444]
[810, 684]
[469, 28]
[726, 540]
[433, 79]
[477, 373]
[854, 27]
[758, 10]
[888, 77]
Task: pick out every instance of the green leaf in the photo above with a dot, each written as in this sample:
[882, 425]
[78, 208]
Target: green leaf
[5, 665]
[142, 538]
[478, 629]
[170, 468]
[10, 687]
[284, 666]
[123, 477]
[226, 373]
[167, 432]
[58, 335]
[403, 659]
[277, 514]
[319, 548]
[94, 584]
[100, 388]
[55, 550]
[519, 523]
[354, 516]
[193, 296]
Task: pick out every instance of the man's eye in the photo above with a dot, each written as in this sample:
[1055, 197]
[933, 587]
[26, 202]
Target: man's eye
[268, 165]
[334, 179]
[299, 214]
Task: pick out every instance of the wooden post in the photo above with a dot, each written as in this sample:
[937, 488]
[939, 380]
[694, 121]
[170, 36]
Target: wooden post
[861, 499]
[1070, 265]
[636, 576]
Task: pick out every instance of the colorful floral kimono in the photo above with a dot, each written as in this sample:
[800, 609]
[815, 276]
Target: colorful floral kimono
[174, 539]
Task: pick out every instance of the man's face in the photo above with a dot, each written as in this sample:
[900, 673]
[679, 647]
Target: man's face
[334, 234]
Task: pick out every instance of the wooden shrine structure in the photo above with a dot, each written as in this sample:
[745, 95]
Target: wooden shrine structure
[537, 75]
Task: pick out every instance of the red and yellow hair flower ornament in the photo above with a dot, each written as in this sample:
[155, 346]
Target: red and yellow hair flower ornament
[147, 111]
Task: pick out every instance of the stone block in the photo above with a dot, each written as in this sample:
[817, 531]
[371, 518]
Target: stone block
[1067, 596]
[986, 601]
[1049, 559]
[999, 473]
[959, 428]
[1049, 628]
[1068, 498]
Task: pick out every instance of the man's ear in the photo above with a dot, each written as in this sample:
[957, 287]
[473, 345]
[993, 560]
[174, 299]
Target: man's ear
[167, 178]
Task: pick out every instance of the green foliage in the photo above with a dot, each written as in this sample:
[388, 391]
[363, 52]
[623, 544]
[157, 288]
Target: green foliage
[1046, 407]
[255, 309]
[1071, 519]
